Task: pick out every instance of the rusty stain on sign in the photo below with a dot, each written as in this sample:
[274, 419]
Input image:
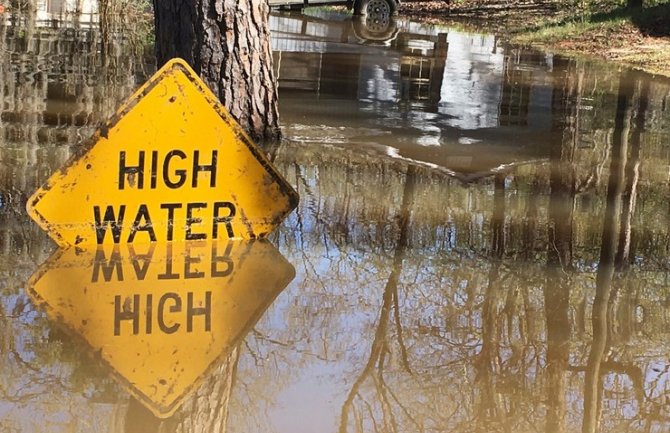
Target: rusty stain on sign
[165, 168]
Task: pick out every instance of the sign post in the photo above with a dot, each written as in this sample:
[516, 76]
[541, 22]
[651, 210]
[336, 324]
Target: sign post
[171, 165]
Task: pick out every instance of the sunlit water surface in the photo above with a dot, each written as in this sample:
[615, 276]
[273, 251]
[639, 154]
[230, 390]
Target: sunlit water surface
[481, 245]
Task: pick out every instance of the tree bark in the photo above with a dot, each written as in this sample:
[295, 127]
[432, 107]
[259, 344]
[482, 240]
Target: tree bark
[227, 42]
[206, 411]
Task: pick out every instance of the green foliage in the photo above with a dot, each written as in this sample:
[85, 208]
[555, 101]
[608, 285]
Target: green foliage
[569, 29]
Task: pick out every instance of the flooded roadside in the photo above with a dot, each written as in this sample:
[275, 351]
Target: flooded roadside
[481, 243]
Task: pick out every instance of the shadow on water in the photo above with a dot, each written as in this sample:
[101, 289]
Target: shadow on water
[481, 245]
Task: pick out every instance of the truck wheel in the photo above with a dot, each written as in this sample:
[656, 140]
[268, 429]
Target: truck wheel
[380, 10]
[374, 32]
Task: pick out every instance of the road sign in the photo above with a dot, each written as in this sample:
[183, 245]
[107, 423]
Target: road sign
[161, 315]
[171, 165]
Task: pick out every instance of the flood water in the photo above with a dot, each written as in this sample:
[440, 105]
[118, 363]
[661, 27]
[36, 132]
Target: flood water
[481, 245]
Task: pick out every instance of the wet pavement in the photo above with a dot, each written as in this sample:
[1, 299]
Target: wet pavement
[481, 245]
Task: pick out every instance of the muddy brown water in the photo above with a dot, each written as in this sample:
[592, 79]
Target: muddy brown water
[481, 245]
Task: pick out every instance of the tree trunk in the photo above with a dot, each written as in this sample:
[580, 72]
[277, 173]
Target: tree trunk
[228, 44]
[559, 248]
[615, 187]
[205, 411]
[632, 175]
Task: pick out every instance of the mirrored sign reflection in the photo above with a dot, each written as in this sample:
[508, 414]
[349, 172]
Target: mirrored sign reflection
[162, 317]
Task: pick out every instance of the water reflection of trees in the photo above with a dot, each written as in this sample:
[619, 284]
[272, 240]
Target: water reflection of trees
[55, 91]
[514, 303]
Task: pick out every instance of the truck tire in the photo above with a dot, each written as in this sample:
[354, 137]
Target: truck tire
[374, 32]
[376, 9]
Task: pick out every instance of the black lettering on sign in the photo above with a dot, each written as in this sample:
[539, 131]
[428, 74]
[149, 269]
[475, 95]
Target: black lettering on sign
[100, 263]
[150, 312]
[202, 310]
[190, 220]
[126, 312]
[112, 268]
[154, 169]
[190, 260]
[181, 174]
[220, 219]
[168, 275]
[141, 262]
[142, 214]
[224, 259]
[170, 217]
[197, 168]
[169, 304]
[223, 213]
[131, 172]
[175, 308]
[109, 219]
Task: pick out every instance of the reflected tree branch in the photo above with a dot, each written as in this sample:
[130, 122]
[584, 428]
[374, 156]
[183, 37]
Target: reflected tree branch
[389, 302]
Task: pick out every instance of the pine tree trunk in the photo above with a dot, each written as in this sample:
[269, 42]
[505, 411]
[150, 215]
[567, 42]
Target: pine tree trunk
[206, 411]
[227, 42]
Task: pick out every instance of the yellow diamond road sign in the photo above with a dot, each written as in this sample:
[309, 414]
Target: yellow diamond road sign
[171, 165]
[161, 316]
